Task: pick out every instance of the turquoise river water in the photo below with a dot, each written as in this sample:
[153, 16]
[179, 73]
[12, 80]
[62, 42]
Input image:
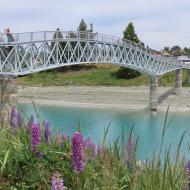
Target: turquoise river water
[94, 121]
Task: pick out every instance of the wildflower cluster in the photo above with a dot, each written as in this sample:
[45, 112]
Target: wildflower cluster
[77, 152]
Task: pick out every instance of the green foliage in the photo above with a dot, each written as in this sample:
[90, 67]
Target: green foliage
[125, 73]
[82, 26]
[129, 33]
[187, 51]
[167, 49]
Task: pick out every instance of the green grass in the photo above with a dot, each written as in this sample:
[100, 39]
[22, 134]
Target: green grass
[93, 75]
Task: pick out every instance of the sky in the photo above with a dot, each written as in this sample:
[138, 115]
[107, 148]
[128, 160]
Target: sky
[158, 23]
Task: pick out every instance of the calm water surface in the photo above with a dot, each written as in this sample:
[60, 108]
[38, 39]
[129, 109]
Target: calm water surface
[94, 121]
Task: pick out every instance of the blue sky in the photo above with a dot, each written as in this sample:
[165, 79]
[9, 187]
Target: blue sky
[158, 23]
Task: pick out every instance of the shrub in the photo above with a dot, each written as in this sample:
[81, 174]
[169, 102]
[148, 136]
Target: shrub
[125, 73]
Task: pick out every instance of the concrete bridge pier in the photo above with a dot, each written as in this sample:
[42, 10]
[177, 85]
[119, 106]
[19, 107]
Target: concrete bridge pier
[188, 76]
[178, 82]
[8, 90]
[153, 94]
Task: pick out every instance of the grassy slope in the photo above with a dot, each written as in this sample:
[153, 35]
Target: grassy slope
[91, 75]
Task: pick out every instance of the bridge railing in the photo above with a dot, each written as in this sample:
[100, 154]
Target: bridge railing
[29, 37]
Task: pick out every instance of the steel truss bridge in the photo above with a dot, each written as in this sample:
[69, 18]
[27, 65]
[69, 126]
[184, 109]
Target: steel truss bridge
[24, 53]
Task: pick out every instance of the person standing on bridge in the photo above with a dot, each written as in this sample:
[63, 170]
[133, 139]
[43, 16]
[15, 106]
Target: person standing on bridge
[58, 34]
[10, 37]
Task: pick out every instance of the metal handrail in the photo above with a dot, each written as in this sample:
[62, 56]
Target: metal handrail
[40, 36]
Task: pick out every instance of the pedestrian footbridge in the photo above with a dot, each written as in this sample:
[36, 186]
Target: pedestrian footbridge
[24, 53]
[30, 52]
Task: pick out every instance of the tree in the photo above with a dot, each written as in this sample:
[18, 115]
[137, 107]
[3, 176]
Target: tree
[82, 26]
[176, 48]
[129, 34]
[167, 49]
[186, 51]
[176, 51]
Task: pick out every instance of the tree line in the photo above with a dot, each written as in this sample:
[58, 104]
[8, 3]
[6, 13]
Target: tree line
[177, 50]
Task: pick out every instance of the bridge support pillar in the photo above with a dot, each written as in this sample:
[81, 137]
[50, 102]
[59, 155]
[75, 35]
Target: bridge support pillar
[153, 94]
[188, 76]
[8, 89]
[178, 82]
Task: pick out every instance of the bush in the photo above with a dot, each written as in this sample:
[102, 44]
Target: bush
[125, 73]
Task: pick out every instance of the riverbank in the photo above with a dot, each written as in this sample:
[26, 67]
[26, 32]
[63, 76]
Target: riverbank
[104, 97]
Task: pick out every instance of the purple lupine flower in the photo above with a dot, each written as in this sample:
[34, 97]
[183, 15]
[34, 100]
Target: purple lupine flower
[57, 183]
[13, 118]
[35, 136]
[77, 152]
[90, 149]
[130, 149]
[19, 119]
[30, 122]
[47, 132]
[39, 154]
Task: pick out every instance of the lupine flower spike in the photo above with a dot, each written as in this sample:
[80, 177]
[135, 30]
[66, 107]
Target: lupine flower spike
[35, 137]
[30, 122]
[19, 119]
[47, 132]
[13, 118]
[57, 183]
[130, 151]
[77, 153]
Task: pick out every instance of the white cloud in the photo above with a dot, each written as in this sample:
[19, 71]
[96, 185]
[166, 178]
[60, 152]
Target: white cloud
[157, 22]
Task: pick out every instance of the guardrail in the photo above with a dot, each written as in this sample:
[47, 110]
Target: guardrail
[33, 37]
[28, 37]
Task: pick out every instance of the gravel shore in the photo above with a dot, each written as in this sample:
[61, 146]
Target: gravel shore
[105, 97]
